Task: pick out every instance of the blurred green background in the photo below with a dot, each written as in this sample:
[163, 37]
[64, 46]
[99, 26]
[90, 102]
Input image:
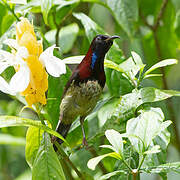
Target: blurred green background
[149, 27]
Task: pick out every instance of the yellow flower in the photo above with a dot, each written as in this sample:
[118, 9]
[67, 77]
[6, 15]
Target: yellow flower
[29, 61]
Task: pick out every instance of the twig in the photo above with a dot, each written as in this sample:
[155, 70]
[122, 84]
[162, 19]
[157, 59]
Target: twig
[160, 15]
[58, 26]
[66, 158]
[100, 164]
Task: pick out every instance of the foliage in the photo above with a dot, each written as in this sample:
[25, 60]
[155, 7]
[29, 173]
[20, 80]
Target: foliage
[129, 131]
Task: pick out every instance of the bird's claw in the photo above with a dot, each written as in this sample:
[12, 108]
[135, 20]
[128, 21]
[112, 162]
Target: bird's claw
[85, 143]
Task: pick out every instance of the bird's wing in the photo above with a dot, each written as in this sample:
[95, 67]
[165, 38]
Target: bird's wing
[74, 76]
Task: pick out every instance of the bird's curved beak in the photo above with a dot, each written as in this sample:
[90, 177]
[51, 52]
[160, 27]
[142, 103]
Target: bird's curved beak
[112, 38]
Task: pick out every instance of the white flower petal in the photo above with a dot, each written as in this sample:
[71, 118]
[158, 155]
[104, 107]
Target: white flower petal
[47, 53]
[54, 66]
[22, 52]
[3, 66]
[20, 81]
[11, 43]
[4, 87]
[6, 57]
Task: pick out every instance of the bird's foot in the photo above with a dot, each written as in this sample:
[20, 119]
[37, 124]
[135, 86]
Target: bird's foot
[85, 143]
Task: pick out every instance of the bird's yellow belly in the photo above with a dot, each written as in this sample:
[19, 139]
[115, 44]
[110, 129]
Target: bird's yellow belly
[79, 101]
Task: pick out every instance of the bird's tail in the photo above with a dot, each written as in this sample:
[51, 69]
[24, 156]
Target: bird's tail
[63, 130]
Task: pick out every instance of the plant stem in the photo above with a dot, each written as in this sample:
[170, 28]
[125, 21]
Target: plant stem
[127, 165]
[66, 158]
[10, 9]
[142, 160]
[38, 110]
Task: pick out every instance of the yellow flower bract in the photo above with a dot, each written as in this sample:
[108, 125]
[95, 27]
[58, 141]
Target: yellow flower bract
[25, 36]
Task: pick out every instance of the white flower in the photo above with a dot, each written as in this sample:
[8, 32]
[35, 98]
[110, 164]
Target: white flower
[21, 79]
[54, 66]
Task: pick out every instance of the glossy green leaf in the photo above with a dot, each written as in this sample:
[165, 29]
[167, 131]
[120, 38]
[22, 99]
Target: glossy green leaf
[67, 37]
[8, 121]
[46, 165]
[174, 166]
[7, 139]
[155, 149]
[3, 11]
[163, 63]
[33, 141]
[73, 59]
[146, 127]
[108, 147]
[92, 163]
[115, 139]
[130, 102]
[64, 8]
[19, 1]
[7, 21]
[114, 173]
[45, 8]
[125, 13]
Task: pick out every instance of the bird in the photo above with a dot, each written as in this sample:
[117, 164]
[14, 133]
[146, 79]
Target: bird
[84, 87]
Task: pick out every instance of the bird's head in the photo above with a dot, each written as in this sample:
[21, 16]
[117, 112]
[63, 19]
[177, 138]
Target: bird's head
[102, 43]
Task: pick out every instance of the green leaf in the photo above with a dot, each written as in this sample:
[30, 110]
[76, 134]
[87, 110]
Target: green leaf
[152, 75]
[73, 59]
[106, 111]
[8, 121]
[46, 165]
[177, 24]
[67, 37]
[33, 141]
[64, 8]
[115, 139]
[155, 149]
[12, 140]
[112, 65]
[146, 127]
[91, 28]
[125, 13]
[7, 21]
[45, 8]
[107, 176]
[26, 175]
[55, 91]
[19, 1]
[130, 102]
[108, 147]
[165, 168]
[163, 63]
[132, 66]
[92, 163]
[137, 59]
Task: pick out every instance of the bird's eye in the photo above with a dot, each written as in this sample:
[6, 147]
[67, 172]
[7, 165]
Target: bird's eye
[98, 38]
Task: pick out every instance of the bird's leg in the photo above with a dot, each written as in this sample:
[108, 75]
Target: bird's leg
[84, 142]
